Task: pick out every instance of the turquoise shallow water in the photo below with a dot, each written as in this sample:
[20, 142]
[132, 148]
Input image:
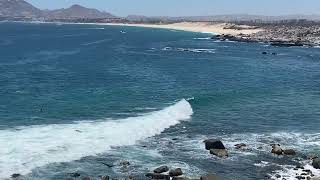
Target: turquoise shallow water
[74, 97]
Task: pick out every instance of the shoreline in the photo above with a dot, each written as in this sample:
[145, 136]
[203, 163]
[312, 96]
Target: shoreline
[196, 27]
[274, 35]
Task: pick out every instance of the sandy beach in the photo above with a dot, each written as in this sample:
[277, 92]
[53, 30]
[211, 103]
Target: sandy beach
[202, 27]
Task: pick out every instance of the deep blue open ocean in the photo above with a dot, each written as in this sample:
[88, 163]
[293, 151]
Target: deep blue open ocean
[74, 98]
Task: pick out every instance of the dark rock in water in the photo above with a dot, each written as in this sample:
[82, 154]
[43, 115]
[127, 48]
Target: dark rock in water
[307, 170]
[300, 177]
[124, 163]
[276, 149]
[213, 144]
[290, 152]
[86, 178]
[274, 53]
[278, 176]
[219, 152]
[109, 165]
[316, 163]
[264, 52]
[175, 172]
[175, 139]
[209, 177]
[300, 166]
[130, 178]
[105, 178]
[312, 156]
[157, 176]
[259, 147]
[15, 175]
[75, 174]
[240, 146]
[161, 169]
[180, 178]
[285, 44]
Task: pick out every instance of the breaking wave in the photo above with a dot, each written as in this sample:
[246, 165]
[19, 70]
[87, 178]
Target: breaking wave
[26, 148]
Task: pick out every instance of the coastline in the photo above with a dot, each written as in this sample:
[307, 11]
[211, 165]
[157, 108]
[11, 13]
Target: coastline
[199, 27]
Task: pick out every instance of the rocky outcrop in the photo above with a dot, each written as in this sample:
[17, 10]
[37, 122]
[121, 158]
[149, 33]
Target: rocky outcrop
[289, 152]
[157, 176]
[161, 169]
[175, 172]
[316, 163]
[219, 152]
[213, 144]
[216, 147]
[276, 149]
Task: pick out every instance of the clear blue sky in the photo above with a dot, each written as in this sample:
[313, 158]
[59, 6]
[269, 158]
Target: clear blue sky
[190, 7]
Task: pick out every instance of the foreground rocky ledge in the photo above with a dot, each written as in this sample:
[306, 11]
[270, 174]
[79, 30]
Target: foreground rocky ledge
[218, 150]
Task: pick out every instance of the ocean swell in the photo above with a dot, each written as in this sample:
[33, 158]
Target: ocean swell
[27, 148]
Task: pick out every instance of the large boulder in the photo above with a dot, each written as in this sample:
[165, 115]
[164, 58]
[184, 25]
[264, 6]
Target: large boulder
[157, 176]
[219, 152]
[213, 144]
[209, 177]
[161, 169]
[289, 152]
[316, 163]
[175, 172]
[276, 149]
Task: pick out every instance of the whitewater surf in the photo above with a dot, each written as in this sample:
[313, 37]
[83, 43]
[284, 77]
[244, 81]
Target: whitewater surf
[26, 148]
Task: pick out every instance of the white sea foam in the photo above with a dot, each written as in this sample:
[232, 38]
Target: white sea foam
[96, 42]
[290, 172]
[25, 148]
[194, 50]
[206, 38]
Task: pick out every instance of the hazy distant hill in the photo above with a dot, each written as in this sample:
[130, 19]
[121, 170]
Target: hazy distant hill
[21, 8]
[225, 18]
[77, 11]
[18, 8]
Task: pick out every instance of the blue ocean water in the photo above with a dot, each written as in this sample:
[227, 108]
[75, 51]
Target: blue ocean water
[74, 98]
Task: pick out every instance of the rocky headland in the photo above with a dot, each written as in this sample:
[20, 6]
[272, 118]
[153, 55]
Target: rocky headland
[285, 35]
